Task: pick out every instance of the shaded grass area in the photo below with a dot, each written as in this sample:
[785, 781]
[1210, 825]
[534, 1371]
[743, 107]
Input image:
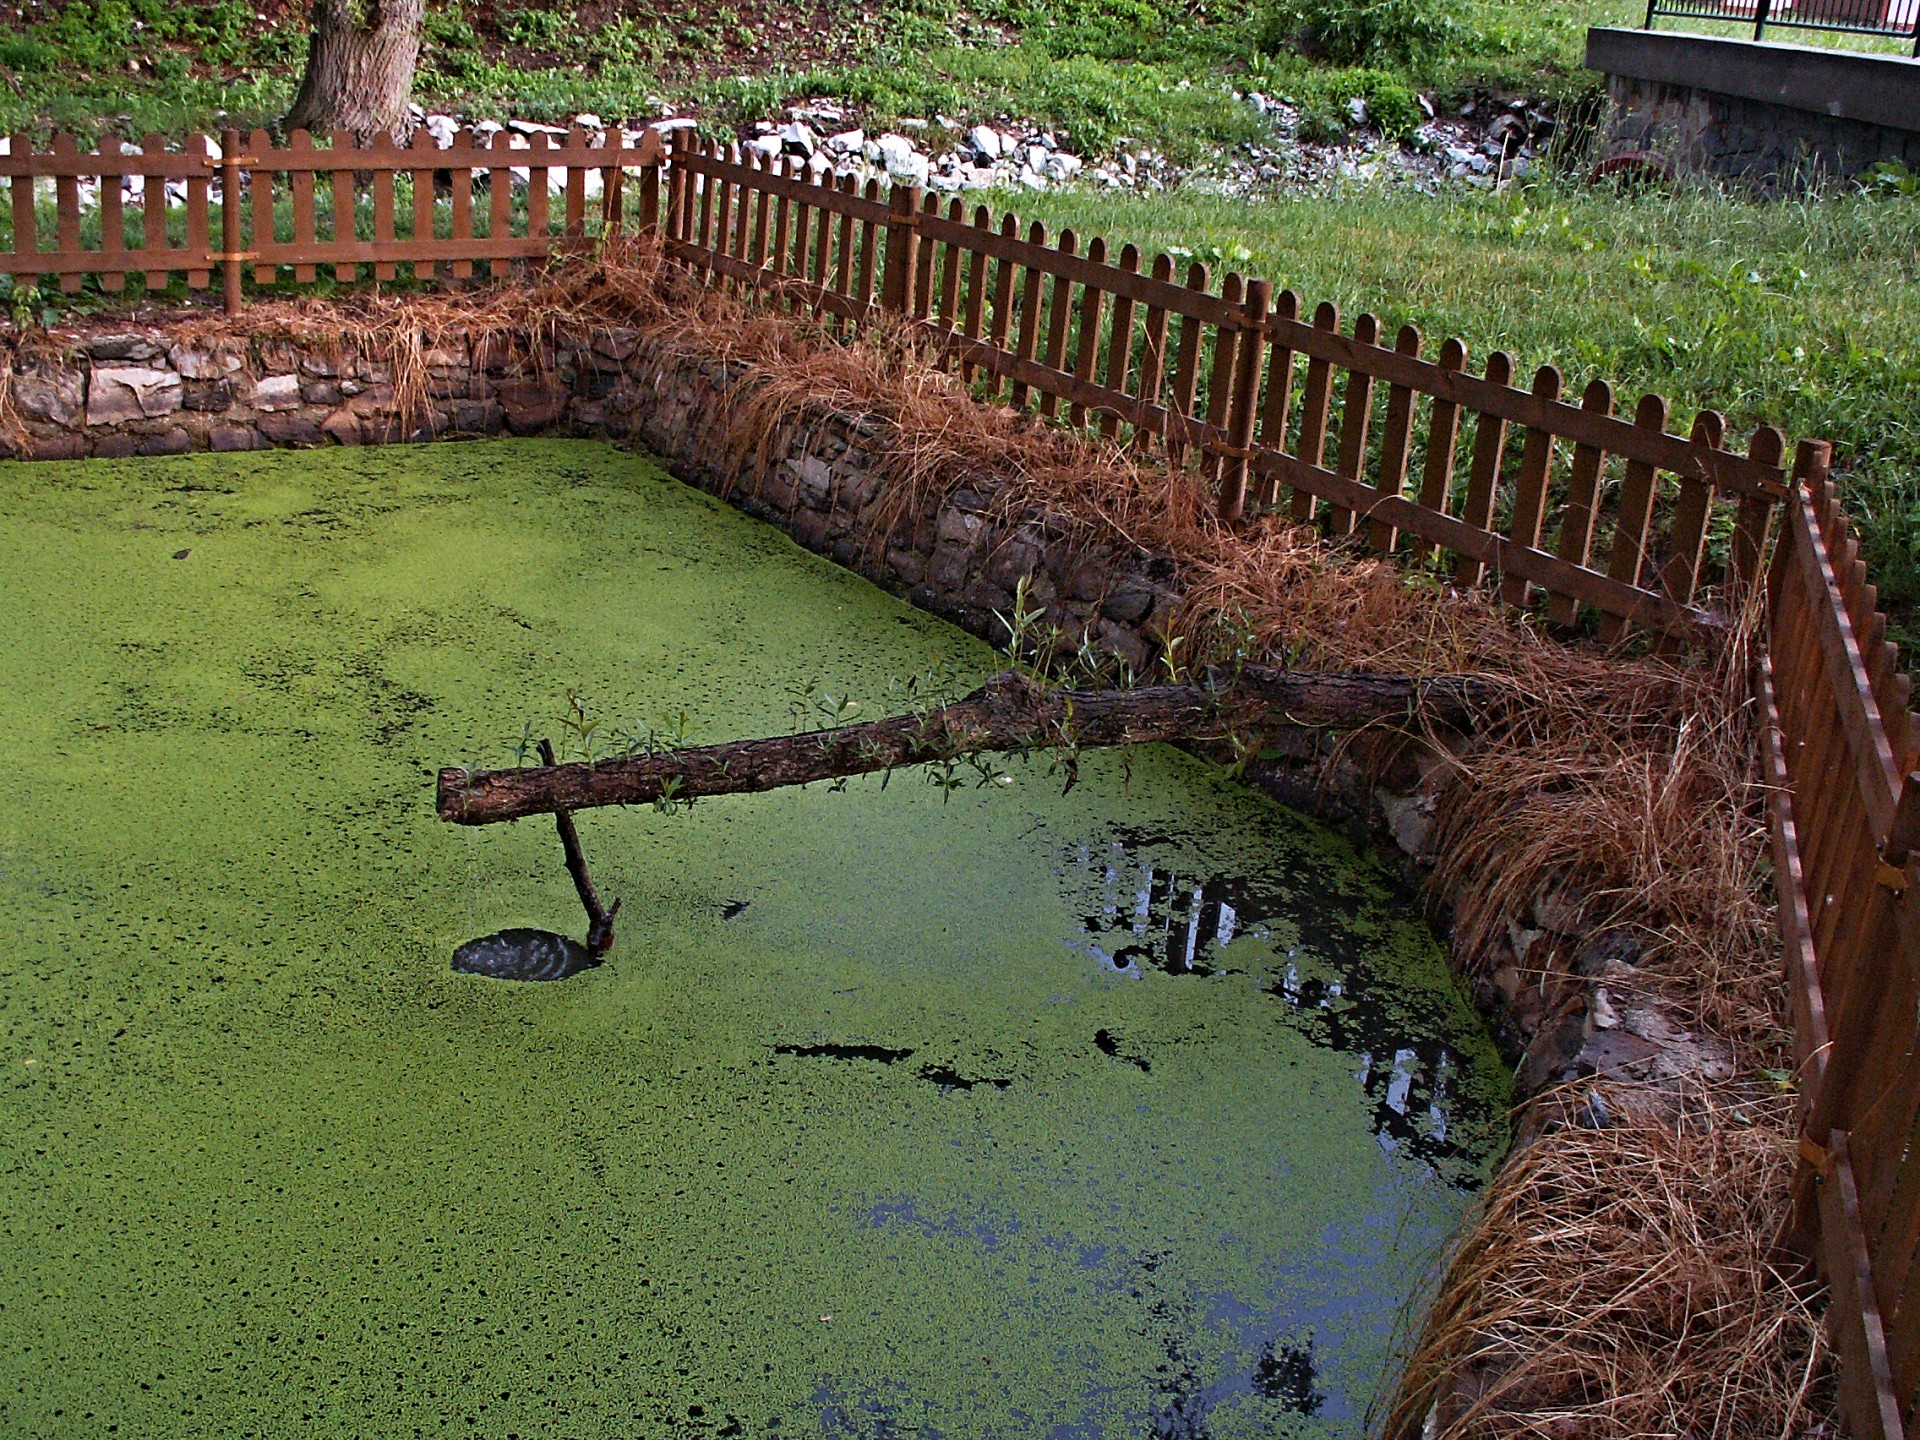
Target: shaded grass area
[1797, 313]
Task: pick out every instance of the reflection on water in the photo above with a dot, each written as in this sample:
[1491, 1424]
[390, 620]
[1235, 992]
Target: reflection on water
[1145, 913]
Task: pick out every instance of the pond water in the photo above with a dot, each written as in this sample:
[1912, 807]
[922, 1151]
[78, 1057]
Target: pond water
[1140, 1110]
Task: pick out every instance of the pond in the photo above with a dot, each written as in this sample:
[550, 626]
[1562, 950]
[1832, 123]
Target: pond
[902, 1110]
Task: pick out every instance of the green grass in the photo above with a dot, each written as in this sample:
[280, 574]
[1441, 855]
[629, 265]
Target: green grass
[1800, 314]
[1098, 70]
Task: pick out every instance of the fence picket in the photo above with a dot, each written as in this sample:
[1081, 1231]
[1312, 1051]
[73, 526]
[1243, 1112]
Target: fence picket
[1226, 354]
[1029, 342]
[113, 225]
[1120, 342]
[1443, 438]
[955, 259]
[1691, 516]
[1582, 506]
[1186, 367]
[1315, 405]
[344, 207]
[380, 182]
[1275, 410]
[1059, 316]
[460, 202]
[869, 241]
[1153, 350]
[1483, 475]
[1396, 444]
[66, 208]
[153, 214]
[1093, 305]
[1530, 488]
[539, 182]
[1244, 401]
[199, 216]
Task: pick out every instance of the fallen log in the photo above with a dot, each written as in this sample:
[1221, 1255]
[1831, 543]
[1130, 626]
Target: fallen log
[1008, 713]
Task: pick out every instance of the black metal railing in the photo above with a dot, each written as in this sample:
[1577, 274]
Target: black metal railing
[1896, 19]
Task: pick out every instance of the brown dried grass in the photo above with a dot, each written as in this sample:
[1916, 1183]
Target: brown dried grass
[1623, 1282]
[1618, 1282]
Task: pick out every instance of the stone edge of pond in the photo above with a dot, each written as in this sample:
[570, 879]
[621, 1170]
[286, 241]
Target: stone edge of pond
[116, 390]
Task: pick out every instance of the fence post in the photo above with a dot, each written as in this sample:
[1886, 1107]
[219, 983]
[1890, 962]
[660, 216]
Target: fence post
[903, 247]
[230, 219]
[1760, 11]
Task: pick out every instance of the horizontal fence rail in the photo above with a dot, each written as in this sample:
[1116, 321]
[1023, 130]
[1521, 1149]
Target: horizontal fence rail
[1575, 507]
[1567, 502]
[1898, 19]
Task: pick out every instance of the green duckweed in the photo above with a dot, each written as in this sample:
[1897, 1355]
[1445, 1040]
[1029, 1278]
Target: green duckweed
[1141, 1109]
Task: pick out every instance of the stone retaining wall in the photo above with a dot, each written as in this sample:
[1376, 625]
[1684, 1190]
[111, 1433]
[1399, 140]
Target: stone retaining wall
[820, 478]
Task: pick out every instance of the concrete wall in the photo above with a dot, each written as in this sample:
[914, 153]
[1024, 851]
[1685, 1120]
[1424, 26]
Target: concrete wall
[1765, 114]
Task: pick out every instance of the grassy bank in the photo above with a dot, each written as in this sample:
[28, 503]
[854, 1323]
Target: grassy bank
[1798, 313]
[1152, 69]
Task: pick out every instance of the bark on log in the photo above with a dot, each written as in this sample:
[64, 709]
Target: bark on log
[360, 62]
[1009, 712]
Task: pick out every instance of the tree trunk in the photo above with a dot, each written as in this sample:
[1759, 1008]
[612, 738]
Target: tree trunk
[1009, 712]
[360, 61]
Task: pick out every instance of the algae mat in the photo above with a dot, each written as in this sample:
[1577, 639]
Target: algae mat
[1140, 1110]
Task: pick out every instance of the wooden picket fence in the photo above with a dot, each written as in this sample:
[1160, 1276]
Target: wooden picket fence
[1246, 385]
[1592, 518]
[305, 205]
[1841, 747]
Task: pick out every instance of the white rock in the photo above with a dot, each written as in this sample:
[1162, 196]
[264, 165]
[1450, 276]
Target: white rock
[131, 392]
[275, 392]
[1357, 110]
[912, 124]
[894, 152]
[203, 364]
[797, 139]
[589, 121]
[1600, 1010]
[847, 141]
[667, 127]
[985, 142]
[533, 127]
[1033, 179]
[1061, 166]
[1035, 157]
[768, 145]
[443, 129]
[819, 163]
